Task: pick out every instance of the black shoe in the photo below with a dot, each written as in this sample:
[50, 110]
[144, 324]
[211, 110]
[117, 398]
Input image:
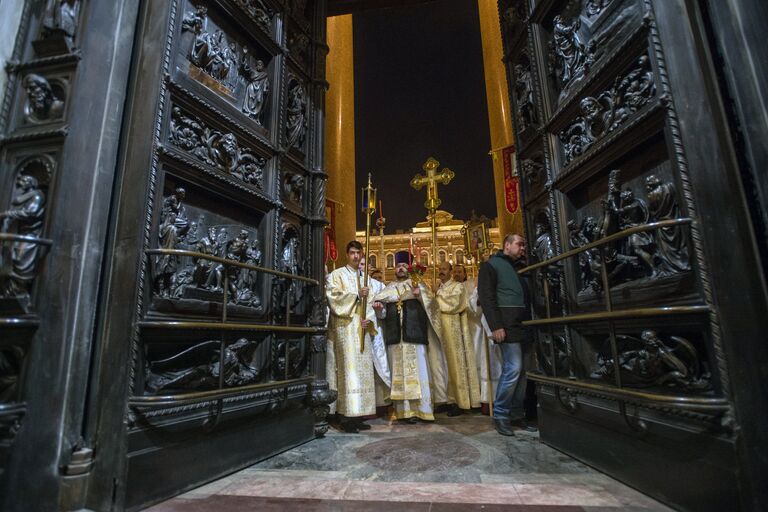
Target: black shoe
[523, 425]
[362, 426]
[503, 428]
[455, 411]
[410, 421]
[350, 427]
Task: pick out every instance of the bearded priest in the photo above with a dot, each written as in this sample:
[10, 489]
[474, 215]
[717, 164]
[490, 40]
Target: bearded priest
[410, 322]
[345, 290]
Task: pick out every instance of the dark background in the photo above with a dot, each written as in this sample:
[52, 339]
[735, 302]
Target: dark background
[420, 92]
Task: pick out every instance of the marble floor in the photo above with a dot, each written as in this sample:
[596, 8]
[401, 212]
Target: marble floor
[455, 464]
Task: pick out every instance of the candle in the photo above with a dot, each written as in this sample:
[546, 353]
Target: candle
[381, 211]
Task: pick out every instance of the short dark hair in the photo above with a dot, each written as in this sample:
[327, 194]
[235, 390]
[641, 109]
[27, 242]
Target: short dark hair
[510, 238]
[354, 243]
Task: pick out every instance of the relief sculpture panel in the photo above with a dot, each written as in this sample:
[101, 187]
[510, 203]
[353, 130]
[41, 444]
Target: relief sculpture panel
[185, 280]
[654, 360]
[237, 71]
[216, 148]
[200, 367]
[605, 112]
[643, 257]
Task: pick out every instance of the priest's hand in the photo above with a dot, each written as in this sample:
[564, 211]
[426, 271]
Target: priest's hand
[363, 293]
[416, 291]
[498, 335]
[365, 323]
[378, 306]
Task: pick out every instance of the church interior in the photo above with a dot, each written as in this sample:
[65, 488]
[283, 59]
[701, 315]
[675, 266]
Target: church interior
[350, 255]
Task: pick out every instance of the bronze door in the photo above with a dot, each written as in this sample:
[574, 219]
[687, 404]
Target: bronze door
[221, 210]
[162, 317]
[617, 122]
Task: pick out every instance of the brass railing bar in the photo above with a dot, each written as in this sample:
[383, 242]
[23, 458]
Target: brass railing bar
[682, 402]
[610, 238]
[224, 261]
[13, 408]
[18, 322]
[201, 396]
[618, 315]
[25, 238]
[230, 326]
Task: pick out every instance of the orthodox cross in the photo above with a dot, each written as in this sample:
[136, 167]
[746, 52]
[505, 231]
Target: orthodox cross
[431, 180]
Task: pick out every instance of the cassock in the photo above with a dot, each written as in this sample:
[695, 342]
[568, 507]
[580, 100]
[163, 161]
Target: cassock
[410, 326]
[482, 343]
[463, 383]
[354, 369]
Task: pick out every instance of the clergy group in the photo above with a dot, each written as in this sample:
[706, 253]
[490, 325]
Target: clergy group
[406, 346]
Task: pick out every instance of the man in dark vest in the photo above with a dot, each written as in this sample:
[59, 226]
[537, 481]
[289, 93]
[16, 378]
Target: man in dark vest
[409, 318]
[504, 299]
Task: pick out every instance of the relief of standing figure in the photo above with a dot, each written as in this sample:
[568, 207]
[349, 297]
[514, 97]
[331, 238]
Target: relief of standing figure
[60, 17]
[18, 265]
[671, 242]
[571, 55]
[257, 89]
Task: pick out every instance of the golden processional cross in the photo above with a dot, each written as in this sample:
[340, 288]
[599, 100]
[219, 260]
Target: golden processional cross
[431, 180]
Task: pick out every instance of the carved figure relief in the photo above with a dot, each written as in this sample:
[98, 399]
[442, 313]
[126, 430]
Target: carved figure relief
[11, 359]
[19, 260]
[572, 57]
[296, 126]
[544, 249]
[595, 7]
[291, 291]
[174, 227]
[58, 27]
[297, 359]
[258, 11]
[198, 368]
[215, 148]
[293, 187]
[43, 104]
[256, 90]
[183, 277]
[604, 113]
[298, 43]
[524, 101]
[645, 255]
[212, 52]
[532, 171]
[652, 361]
[671, 242]
[544, 353]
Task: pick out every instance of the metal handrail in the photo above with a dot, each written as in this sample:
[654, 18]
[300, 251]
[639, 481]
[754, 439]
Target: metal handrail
[225, 261]
[608, 239]
[672, 401]
[202, 396]
[619, 315]
[229, 326]
[18, 322]
[25, 238]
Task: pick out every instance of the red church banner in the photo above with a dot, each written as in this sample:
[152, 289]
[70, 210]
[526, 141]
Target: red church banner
[511, 182]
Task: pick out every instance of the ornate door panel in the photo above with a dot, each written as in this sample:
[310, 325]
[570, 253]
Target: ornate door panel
[215, 260]
[610, 99]
[61, 113]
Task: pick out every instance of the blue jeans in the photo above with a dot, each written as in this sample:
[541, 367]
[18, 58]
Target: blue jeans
[510, 393]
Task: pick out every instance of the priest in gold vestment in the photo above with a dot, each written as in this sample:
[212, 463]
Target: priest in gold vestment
[344, 290]
[409, 320]
[458, 344]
